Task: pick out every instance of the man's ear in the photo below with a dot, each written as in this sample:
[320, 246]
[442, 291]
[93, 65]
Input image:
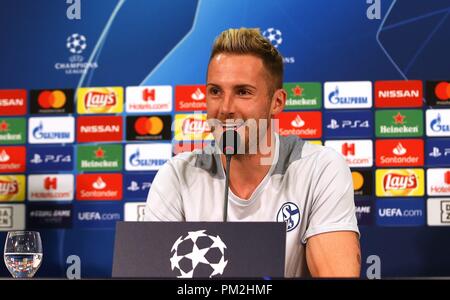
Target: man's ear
[278, 101]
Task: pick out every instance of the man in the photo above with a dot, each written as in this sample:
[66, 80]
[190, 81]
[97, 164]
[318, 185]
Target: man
[307, 186]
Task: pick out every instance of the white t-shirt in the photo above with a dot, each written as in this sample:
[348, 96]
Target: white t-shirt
[308, 186]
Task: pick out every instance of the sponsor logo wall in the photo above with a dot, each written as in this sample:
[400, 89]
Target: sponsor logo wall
[87, 157]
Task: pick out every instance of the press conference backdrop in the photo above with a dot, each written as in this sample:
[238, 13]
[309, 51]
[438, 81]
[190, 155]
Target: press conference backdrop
[88, 97]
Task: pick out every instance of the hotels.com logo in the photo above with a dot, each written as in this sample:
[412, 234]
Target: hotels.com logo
[357, 153]
[438, 182]
[148, 95]
[50, 187]
[148, 99]
[50, 183]
[348, 149]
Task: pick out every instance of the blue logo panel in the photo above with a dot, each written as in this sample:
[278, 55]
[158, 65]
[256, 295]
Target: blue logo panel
[52, 158]
[344, 124]
[400, 212]
[98, 215]
[365, 212]
[136, 186]
[437, 152]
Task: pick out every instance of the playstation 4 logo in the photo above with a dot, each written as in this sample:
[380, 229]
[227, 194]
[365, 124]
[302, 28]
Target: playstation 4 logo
[437, 153]
[37, 159]
[348, 124]
[134, 186]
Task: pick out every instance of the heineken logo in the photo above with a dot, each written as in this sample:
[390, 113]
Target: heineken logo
[12, 131]
[399, 123]
[303, 95]
[100, 158]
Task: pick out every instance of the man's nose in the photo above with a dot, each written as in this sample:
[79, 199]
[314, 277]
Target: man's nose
[227, 106]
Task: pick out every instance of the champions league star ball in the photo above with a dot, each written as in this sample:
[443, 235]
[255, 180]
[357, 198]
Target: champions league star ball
[274, 36]
[198, 255]
[76, 43]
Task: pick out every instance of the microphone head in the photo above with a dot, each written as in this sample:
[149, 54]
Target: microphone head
[230, 142]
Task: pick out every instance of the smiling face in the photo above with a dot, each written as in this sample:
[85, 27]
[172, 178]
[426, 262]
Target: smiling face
[239, 89]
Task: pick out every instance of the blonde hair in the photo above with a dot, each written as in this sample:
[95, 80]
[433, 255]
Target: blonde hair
[251, 41]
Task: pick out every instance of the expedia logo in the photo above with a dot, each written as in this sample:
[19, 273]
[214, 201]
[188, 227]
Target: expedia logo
[149, 128]
[400, 182]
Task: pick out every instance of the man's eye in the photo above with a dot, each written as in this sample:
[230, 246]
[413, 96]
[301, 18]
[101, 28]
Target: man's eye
[214, 91]
[243, 92]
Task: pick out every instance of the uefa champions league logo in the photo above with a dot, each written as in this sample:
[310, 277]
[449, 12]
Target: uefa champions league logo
[198, 255]
[274, 36]
[76, 43]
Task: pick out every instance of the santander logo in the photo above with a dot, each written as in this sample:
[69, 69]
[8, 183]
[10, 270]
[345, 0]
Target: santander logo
[298, 122]
[97, 99]
[4, 157]
[198, 95]
[393, 181]
[99, 184]
[399, 150]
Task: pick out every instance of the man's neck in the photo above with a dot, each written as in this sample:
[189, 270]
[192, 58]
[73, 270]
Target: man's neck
[248, 170]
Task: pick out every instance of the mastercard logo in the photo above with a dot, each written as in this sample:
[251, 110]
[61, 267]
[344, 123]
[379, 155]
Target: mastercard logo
[358, 180]
[52, 99]
[442, 90]
[148, 125]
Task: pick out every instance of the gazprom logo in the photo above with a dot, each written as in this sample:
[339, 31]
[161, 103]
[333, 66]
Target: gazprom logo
[348, 94]
[136, 161]
[334, 98]
[148, 157]
[51, 130]
[39, 133]
[438, 122]
[437, 126]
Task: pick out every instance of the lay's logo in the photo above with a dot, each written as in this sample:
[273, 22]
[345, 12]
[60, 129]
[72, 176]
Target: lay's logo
[192, 127]
[12, 188]
[100, 100]
[399, 182]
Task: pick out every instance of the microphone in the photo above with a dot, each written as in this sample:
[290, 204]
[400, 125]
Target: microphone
[229, 143]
